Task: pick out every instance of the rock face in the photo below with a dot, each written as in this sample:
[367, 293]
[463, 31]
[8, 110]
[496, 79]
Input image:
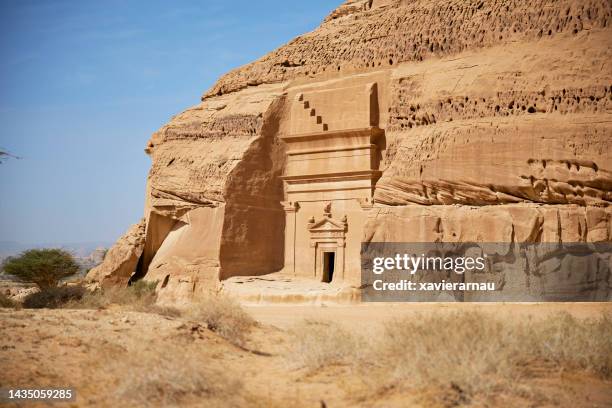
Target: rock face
[535, 252]
[394, 120]
[121, 260]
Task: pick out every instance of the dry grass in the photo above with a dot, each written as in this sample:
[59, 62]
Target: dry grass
[571, 342]
[323, 343]
[53, 297]
[143, 365]
[473, 352]
[174, 377]
[177, 376]
[223, 316]
[220, 314]
[139, 297]
[7, 302]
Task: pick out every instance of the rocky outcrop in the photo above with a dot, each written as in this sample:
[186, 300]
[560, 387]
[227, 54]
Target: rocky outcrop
[214, 193]
[488, 120]
[121, 261]
[378, 34]
[520, 223]
[502, 161]
[504, 125]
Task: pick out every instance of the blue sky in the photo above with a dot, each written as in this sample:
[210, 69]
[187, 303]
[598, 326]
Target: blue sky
[83, 84]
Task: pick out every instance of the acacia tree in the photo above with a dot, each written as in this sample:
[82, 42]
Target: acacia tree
[5, 155]
[45, 267]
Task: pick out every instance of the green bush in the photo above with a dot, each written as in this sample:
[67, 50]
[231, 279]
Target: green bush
[45, 267]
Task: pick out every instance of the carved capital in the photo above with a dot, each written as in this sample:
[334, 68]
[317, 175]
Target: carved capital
[327, 209]
[290, 206]
[366, 203]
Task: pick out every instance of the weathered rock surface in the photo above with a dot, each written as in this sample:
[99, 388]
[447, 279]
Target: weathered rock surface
[507, 124]
[489, 121]
[522, 270]
[377, 34]
[16, 290]
[121, 260]
[214, 193]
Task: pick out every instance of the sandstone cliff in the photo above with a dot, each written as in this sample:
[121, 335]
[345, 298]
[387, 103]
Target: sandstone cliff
[497, 127]
[120, 262]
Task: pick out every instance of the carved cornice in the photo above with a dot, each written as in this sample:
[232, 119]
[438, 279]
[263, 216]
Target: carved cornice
[372, 131]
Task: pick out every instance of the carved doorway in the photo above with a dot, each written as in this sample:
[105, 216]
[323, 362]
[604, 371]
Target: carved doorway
[329, 264]
[328, 242]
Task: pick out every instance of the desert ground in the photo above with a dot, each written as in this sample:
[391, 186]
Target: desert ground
[293, 355]
[392, 122]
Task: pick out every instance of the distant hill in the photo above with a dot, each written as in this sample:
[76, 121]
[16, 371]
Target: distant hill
[87, 254]
[78, 249]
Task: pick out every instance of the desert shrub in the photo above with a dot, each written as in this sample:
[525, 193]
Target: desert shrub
[470, 350]
[322, 343]
[224, 316]
[143, 289]
[45, 267]
[140, 296]
[7, 302]
[168, 311]
[174, 378]
[53, 297]
[571, 342]
[481, 353]
[473, 352]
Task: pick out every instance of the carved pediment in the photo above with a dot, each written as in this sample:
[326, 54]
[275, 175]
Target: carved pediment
[327, 224]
